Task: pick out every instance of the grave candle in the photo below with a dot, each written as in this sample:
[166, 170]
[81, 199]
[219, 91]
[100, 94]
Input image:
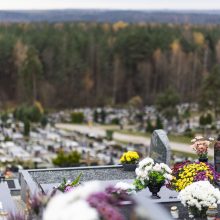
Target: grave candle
[174, 212]
[3, 214]
[211, 213]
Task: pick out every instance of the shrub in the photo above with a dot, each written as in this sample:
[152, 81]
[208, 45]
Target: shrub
[26, 127]
[77, 117]
[67, 160]
[189, 133]
[115, 121]
[136, 102]
[32, 113]
[159, 124]
[109, 134]
[44, 121]
[150, 127]
[4, 117]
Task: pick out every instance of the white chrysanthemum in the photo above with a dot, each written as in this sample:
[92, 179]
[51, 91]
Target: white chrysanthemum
[157, 167]
[168, 176]
[200, 194]
[125, 186]
[80, 209]
[65, 206]
[147, 165]
[164, 166]
[146, 161]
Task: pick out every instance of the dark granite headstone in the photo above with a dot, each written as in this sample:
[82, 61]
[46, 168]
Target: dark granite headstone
[11, 184]
[160, 147]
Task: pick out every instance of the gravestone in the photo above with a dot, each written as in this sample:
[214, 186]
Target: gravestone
[160, 147]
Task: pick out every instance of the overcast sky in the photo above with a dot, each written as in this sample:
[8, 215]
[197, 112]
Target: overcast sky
[109, 4]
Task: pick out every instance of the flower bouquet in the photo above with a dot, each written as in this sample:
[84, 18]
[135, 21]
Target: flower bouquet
[152, 175]
[200, 146]
[89, 201]
[186, 173]
[67, 186]
[123, 186]
[198, 197]
[129, 160]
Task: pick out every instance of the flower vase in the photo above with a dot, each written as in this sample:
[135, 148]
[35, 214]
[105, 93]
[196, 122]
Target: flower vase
[154, 188]
[129, 166]
[204, 160]
[198, 213]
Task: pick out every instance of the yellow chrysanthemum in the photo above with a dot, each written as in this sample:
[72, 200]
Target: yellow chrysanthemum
[130, 156]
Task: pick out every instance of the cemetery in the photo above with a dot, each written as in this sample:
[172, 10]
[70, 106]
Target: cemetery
[110, 111]
[64, 154]
[97, 154]
[44, 182]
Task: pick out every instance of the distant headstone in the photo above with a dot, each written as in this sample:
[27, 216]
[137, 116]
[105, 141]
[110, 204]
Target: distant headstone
[160, 147]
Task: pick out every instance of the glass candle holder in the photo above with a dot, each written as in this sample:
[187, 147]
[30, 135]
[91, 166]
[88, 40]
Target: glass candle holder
[174, 212]
[212, 213]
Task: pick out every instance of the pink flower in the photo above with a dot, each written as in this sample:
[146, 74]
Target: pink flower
[68, 189]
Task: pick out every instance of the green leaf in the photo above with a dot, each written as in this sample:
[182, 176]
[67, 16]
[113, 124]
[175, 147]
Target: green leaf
[76, 181]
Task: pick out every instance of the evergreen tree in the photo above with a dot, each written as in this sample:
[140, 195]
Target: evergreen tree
[166, 103]
[96, 116]
[159, 124]
[31, 72]
[26, 127]
[103, 116]
[149, 127]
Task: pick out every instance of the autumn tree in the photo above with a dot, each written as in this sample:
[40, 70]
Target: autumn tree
[67, 65]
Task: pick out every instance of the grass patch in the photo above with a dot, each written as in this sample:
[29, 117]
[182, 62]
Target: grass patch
[180, 139]
[173, 138]
[185, 154]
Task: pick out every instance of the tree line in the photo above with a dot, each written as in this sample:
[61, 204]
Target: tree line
[65, 65]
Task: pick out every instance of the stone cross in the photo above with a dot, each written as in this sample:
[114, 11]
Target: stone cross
[160, 147]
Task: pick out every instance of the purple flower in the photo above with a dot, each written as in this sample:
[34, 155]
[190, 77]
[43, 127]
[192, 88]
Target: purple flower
[201, 176]
[108, 212]
[17, 216]
[107, 203]
[68, 189]
[118, 196]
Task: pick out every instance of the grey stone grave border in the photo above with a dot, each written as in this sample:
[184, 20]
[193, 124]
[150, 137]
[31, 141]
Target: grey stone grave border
[30, 184]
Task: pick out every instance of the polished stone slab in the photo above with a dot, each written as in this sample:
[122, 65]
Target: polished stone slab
[166, 195]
